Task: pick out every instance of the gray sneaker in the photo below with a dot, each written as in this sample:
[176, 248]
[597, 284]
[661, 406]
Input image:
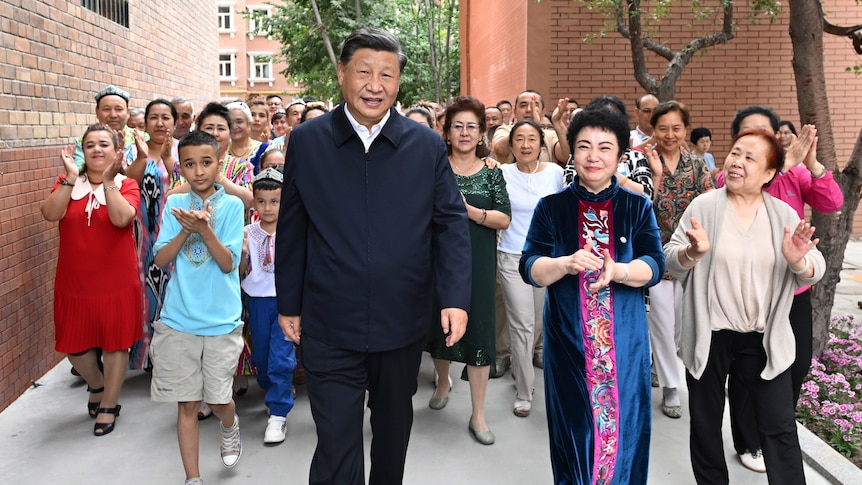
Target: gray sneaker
[231, 444]
[500, 367]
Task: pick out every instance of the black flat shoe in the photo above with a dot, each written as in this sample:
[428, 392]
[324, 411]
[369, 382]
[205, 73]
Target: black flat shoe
[92, 407]
[101, 429]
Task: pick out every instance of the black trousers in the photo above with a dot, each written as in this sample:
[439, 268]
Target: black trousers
[743, 423]
[772, 407]
[337, 380]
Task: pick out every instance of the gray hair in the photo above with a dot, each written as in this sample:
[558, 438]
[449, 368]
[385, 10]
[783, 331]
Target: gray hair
[242, 107]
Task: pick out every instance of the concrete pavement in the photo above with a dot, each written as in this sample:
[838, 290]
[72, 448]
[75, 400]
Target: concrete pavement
[47, 436]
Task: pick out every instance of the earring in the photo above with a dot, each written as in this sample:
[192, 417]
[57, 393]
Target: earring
[448, 141]
[481, 142]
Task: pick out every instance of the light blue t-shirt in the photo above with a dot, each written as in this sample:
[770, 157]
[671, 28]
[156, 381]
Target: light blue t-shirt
[200, 298]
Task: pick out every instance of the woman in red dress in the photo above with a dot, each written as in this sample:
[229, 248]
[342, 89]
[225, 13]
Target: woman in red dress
[97, 291]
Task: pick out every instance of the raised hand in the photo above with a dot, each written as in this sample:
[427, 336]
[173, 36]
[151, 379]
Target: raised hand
[801, 148]
[797, 242]
[141, 146]
[112, 170]
[67, 155]
[698, 239]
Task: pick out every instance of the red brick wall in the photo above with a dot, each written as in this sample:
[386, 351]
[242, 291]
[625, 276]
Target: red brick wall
[753, 68]
[55, 56]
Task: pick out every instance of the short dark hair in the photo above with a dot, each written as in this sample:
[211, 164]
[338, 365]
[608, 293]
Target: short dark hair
[312, 106]
[471, 105]
[531, 123]
[421, 111]
[573, 100]
[270, 96]
[531, 91]
[789, 126]
[265, 184]
[607, 101]
[277, 116]
[214, 109]
[752, 110]
[372, 38]
[502, 102]
[604, 119]
[698, 133]
[195, 139]
[669, 107]
[160, 101]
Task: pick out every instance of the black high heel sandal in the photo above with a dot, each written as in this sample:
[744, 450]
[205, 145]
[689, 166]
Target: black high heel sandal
[101, 429]
[92, 407]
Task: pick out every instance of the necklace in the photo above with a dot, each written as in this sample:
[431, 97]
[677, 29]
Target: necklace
[458, 169]
[244, 154]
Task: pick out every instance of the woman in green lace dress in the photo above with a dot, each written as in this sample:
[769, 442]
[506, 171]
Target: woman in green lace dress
[484, 192]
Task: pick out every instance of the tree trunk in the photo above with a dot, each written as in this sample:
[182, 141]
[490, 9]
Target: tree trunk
[806, 35]
[325, 37]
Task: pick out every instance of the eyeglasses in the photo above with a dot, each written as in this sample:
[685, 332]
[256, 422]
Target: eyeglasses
[471, 127]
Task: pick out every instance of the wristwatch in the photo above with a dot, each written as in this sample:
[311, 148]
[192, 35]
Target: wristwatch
[63, 181]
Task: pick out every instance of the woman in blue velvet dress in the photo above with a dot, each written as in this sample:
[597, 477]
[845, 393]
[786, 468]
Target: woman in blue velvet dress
[596, 247]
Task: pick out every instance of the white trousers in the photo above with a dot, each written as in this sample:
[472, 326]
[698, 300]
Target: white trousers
[665, 312]
[524, 305]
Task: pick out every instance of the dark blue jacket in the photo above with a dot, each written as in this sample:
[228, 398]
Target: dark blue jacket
[363, 236]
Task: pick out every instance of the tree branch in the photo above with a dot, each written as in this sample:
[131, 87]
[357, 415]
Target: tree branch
[636, 39]
[830, 28]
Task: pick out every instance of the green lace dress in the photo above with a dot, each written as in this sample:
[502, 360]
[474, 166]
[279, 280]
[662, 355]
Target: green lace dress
[485, 189]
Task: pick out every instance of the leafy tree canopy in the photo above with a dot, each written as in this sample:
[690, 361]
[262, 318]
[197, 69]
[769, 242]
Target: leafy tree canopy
[304, 36]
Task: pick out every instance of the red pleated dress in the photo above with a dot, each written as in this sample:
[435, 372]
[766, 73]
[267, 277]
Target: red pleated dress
[97, 291]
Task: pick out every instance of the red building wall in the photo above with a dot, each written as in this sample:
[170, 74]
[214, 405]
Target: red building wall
[55, 56]
[513, 45]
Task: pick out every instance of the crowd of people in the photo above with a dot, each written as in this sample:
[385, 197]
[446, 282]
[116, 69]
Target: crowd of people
[332, 246]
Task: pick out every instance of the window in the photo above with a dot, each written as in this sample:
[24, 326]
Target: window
[257, 11]
[114, 10]
[227, 66]
[225, 18]
[260, 67]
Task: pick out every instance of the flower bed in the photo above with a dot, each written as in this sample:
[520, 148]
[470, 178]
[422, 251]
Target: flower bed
[830, 404]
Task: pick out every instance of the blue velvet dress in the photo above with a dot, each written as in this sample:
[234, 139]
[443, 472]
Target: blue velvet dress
[597, 377]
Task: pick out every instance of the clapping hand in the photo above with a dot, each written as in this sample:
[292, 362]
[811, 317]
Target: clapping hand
[67, 154]
[112, 170]
[583, 260]
[797, 243]
[193, 221]
[803, 149]
[698, 240]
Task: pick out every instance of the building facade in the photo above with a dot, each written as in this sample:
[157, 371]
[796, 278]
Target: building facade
[56, 55]
[247, 58]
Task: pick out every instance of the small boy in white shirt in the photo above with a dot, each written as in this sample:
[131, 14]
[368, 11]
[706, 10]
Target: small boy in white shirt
[272, 352]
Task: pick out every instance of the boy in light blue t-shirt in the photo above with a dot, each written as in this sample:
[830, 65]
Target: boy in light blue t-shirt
[198, 338]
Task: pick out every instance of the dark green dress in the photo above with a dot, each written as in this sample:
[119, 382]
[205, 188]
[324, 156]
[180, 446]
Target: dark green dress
[485, 189]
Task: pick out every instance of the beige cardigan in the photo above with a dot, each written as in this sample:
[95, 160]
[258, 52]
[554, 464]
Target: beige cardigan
[778, 339]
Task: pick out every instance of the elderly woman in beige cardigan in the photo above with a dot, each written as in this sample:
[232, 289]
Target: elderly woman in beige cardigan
[740, 254]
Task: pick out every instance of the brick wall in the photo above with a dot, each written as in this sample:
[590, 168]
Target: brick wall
[54, 56]
[753, 68]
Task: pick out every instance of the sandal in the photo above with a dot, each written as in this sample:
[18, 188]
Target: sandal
[92, 407]
[101, 429]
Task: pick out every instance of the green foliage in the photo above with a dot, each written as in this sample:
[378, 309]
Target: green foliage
[303, 50]
[857, 69]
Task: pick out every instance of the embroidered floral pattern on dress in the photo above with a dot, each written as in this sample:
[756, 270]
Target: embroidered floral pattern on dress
[195, 248]
[265, 247]
[598, 327]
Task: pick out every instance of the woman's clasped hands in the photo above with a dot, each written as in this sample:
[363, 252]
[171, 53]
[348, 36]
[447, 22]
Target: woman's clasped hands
[586, 260]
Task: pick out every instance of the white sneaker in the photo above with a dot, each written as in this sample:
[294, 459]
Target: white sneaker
[195, 481]
[753, 461]
[276, 430]
[231, 444]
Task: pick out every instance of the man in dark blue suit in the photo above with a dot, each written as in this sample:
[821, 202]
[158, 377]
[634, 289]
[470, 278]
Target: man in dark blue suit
[371, 224]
